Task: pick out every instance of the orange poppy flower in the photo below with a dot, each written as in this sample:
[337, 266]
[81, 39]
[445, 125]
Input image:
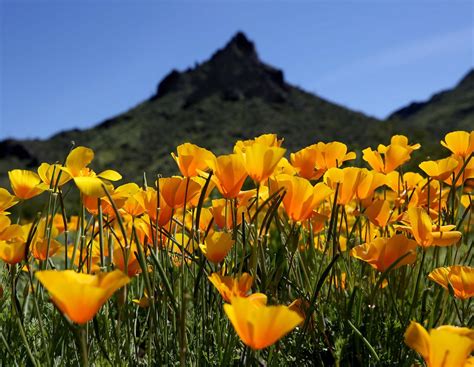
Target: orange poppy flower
[151, 205]
[348, 180]
[441, 347]
[402, 184]
[25, 184]
[80, 296]
[333, 154]
[466, 174]
[173, 190]
[428, 235]
[51, 173]
[313, 161]
[39, 243]
[201, 181]
[135, 203]
[222, 214]
[393, 157]
[304, 162]
[258, 325]
[229, 286]
[400, 140]
[269, 140]
[461, 279]
[382, 252]
[216, 246]
[87, 181]
[12, 241]
[460, 143]
[284, 168]
[229, 174]
[191, 159]
[441, 169]
[378, 212]
[133, 265]
[301, 198]
[261, 160]
[7, 200]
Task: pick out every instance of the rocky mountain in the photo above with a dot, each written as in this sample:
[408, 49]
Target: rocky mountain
[234, 95]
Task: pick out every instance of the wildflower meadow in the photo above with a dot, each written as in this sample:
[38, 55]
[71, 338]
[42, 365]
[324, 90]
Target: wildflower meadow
[261, 257]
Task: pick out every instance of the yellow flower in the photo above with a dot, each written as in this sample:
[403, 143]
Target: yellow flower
[393, 158]
[304, 162]
[402, 184]
[260, 160]
[441, 347]
[466, 200]
[461, 279]
[466, 174]
[175, 249]
[394, 155]
[426, 195]
[318, 221]
[222, 214]
[204, 221]
[173, 190]
[133, 265]
[12, 241]
[313, 161]
[400, 140]
[135, 203]
[378, 212]
[87, 181]
[229, 174]
[80, 296]
[382, 252]
[422, 230]
[258, 325]
[441, 169]
[368, 182]
[229, 286]
[25, 184]
[49, 174]
[284, 168]
[201, 181]
[119, 195]
[191, 159]
[348, 180]
[301, 198]
[460, 143]
[39, 243]
[216, 246]
[269, 140]
[7, 200]
[163, 215]
[333, 154]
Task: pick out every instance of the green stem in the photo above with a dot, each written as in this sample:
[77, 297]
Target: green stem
[415, 294]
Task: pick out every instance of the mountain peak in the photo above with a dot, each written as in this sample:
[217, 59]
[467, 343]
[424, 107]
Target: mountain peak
[233, 72]
[239, 46]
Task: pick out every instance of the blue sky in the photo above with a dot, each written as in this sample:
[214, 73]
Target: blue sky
[71, 64]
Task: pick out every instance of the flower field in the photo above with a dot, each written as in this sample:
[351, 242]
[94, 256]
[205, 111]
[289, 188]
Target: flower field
[260, 257]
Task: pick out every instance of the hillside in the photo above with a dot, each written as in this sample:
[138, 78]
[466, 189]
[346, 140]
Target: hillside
[234, 95]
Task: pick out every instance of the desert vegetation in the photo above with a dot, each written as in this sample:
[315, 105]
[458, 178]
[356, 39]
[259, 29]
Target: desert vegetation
[258, 257]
